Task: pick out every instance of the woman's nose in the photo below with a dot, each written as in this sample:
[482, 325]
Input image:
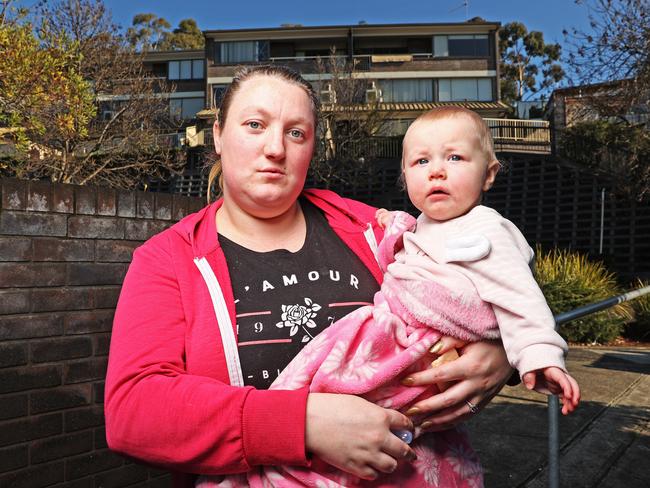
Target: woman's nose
[274, 144]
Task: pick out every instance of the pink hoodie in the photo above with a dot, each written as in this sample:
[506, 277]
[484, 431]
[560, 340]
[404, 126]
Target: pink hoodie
[168, 399]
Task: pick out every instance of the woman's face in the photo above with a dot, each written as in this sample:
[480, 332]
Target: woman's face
[265, 145]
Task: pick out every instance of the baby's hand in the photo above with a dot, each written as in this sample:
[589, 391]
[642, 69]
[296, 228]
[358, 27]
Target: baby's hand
[554, 380]
[384, 217]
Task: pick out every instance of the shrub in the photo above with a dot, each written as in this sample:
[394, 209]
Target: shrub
[569, 280]
[639, 329]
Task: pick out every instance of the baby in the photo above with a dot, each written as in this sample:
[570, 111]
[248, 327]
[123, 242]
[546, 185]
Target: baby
[448, 161]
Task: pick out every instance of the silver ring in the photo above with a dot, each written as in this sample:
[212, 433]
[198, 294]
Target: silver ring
[472, 408]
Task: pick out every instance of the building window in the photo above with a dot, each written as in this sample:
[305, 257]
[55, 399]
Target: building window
[406, 90]
[239, 52]
[218, 91]
[185, 108]
[461, 46]
[465, 89]
[189, 69]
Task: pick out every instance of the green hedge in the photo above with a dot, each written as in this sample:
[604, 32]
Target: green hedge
[569, 280]
[639, 328]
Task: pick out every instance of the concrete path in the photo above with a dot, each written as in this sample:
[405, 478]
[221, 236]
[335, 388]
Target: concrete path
[605, 443]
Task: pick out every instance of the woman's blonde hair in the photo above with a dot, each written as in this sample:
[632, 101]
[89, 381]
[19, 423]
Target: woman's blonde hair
[215, 177]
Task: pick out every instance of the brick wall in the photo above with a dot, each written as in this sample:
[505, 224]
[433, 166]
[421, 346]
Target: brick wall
[64, 251]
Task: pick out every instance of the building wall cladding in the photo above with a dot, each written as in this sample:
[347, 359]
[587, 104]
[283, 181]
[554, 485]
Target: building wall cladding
[64, 251]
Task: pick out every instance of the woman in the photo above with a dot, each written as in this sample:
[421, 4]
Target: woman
[282, 264]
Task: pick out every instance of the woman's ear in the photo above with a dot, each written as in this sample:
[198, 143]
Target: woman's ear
[216, 135]
[491, 174]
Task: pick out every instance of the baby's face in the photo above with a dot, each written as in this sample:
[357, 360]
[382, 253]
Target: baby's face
[445, 167]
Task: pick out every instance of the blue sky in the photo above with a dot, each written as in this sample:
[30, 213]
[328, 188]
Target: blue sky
[549, 16]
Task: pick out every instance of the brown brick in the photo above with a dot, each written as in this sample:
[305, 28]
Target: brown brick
[85, 201]
[107, 296]
[179, 206]
[96, 227]
[59, 398]
[95, 274]
[163, 206]
[95, 462]
[34, 477]
[60, 348]
[144, 205]
[20, 275]
[115, 251]
[106, 201]
[100, 438]
[83, 418]
[27, 429]
[55, 249]
[101, 343]
[164, 481]
[14, 194]
[12, 406]
[28, 378]
[98, 392]
[89, 322]
[29, 326]
[13, 354]
[54, 299]
[59, 447]
[125, 203]
[83, 371]
[15, 248]
[32, 224]
[39, 196]
[14, 302]
[87, 482]
[13, 458]
[141, 230]
[124, 476]
[63, 198]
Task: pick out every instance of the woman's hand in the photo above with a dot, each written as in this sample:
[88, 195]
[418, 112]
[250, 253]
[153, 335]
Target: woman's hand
[476, 377]
[355, 435]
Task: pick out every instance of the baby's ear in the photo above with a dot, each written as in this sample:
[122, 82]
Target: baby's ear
[491, 174]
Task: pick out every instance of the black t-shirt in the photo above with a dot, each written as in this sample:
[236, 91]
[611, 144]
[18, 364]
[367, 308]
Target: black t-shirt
[284, 299]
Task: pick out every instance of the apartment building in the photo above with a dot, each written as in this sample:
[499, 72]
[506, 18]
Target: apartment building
[408, 68]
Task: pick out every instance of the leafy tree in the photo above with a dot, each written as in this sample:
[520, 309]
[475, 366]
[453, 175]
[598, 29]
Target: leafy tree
[186, 36]
[348, 123]
[78, 102]
[618, 149]
[528, 64]
[617, 47]
[148, 32]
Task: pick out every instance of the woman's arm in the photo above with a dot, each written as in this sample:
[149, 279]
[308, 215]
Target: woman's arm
[157, 412]
[478, 375]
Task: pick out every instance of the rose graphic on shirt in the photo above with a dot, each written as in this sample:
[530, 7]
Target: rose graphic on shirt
[296, 316]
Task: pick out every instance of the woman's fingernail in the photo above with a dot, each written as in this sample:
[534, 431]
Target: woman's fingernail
[412, 411]
[436, 347]
[408, 381]
[426, 424]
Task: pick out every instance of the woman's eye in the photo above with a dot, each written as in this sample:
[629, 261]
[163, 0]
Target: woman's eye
[422, 161]
[254, 125]
[295, 133]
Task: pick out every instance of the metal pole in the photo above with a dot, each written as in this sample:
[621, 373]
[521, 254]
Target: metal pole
[553, 402]
[553, 442]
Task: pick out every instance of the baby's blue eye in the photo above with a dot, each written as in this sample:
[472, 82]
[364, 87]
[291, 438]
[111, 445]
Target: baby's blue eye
[422, 161]
[454, 157]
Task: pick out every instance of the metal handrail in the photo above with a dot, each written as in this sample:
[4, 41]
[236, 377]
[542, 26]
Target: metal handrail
[553, 402]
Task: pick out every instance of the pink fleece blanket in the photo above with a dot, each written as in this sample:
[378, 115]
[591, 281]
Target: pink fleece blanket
[367, 353]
